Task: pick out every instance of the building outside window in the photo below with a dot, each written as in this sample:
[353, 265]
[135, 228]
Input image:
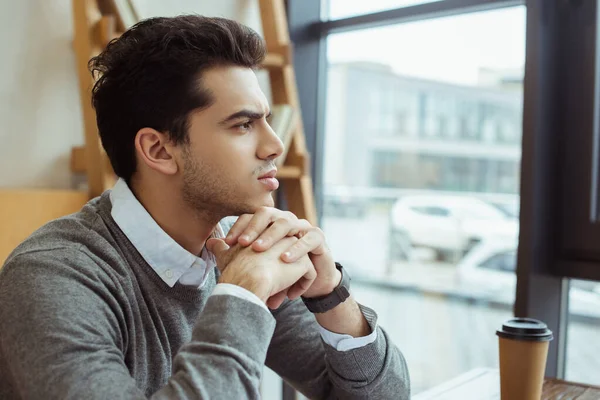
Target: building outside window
[421, 192]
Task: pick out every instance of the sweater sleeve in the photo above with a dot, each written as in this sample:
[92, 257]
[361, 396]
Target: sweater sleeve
[300, 356]
[62, 337]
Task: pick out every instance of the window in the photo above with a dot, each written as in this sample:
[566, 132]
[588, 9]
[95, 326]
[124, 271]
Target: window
[442, 126]
[401, 123]
[472, 59]
[337, 9]
[584, 327]
[440, 72]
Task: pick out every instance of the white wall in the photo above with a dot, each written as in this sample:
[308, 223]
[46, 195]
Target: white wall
[40, 113]
[244, 11]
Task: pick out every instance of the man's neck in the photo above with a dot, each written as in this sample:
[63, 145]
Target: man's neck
[188, 227]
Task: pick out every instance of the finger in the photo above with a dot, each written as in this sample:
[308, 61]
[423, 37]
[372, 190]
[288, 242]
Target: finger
[312, 242]
[261, 221]
[303, 284]
[217, 246]
[278, 230]
[236, 230]
[276, 300]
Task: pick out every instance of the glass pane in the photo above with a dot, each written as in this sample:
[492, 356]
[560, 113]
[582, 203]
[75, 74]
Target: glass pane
[583, 336]
[338, 9]
[421, 181]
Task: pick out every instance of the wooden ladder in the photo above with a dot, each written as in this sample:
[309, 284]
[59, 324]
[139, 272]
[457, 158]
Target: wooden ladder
[94, 26]
[98, 21]
[294, 171]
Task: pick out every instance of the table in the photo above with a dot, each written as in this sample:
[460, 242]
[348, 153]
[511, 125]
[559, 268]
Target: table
[484, 384]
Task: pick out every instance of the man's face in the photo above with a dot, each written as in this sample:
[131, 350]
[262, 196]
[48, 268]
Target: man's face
[232, 147]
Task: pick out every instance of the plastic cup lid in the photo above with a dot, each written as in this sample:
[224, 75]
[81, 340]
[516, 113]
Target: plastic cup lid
[525, 329]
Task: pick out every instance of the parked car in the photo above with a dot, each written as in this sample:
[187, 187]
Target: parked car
[450, 225]
[510, 209]
[489, 271]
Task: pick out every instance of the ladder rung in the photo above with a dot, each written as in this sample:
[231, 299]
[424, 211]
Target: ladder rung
[103, 31]
[289, 172]
[273, 61]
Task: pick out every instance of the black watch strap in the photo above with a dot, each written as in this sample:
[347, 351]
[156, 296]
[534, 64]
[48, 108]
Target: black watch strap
[339, 295]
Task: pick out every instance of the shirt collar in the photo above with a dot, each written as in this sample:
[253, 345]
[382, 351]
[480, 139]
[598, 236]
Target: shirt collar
[166, 257]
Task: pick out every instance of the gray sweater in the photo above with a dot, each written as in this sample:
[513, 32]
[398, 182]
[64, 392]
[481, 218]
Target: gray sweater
[83, 316]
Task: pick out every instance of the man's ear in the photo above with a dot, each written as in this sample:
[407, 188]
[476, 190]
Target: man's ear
[156, 151]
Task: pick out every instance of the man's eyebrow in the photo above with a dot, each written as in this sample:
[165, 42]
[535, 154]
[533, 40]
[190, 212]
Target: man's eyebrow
[249, 114]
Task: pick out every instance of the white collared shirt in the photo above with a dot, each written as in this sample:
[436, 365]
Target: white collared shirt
[175, 264]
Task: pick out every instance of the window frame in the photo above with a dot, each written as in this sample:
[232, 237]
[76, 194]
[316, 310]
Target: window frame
[542, 287]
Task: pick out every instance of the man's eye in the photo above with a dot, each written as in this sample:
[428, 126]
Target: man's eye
[245, 126]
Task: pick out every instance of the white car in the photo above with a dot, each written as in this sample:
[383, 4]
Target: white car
[489, 271]
[450, 225]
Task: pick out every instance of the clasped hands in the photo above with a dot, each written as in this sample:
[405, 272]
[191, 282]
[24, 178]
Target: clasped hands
[275, 255]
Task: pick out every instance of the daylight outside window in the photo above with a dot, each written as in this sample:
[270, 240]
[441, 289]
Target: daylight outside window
[421, 173]
[338, 9]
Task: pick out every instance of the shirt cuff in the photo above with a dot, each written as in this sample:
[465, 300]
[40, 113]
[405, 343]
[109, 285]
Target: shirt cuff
[343, 342]
[237, 291]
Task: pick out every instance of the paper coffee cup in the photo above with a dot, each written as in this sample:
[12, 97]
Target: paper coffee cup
[523, 344]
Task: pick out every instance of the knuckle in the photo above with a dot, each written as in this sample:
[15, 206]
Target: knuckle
[308, 240]
[300, 243]
[281, 222]
[292, 240]
[259, 274]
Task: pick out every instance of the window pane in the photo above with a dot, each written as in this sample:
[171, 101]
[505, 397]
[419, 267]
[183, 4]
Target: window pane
[338, 9]
[583, 336]
[421, 181]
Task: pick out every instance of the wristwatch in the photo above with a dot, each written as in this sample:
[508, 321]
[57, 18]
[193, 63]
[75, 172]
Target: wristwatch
[339, 295]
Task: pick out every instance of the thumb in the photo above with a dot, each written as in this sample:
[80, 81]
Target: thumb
[217, 247]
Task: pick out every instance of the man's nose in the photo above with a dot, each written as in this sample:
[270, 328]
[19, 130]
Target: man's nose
[270, 146]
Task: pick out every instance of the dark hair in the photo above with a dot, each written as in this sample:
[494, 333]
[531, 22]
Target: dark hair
[150, 77]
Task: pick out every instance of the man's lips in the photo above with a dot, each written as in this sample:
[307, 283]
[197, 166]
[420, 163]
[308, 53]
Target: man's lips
[269, 180]
[270, 174]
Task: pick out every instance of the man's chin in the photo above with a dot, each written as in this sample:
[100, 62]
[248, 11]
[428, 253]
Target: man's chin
[252, 208]
[267, 201]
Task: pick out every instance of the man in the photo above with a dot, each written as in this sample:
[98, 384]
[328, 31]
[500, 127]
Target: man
[124, 299]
